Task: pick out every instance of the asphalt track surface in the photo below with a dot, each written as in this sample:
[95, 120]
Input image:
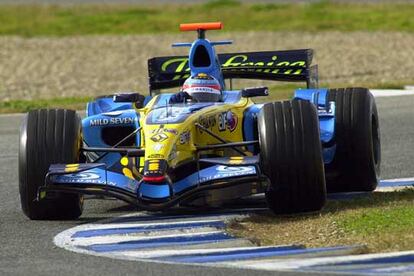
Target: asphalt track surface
[26, 247]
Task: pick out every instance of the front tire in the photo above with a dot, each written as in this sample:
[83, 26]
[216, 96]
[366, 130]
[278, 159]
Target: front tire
[356, 165]
[291, 156]
[48, 137]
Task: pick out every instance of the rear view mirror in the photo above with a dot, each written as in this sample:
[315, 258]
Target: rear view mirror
[129, 97]
[255, 91]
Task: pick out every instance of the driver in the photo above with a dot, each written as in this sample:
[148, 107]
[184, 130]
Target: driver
[200, 88]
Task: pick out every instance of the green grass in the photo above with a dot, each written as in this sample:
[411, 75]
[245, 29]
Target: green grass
[383, 221]
[19, 106]
[65, 20]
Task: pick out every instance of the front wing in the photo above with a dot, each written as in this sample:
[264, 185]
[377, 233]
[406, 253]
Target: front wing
[96, 179]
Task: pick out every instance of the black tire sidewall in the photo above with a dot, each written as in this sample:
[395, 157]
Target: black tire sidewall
[291, 156]
[48, 137]
[353, 167]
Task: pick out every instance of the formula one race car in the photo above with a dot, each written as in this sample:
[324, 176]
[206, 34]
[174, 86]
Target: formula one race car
[155, 154]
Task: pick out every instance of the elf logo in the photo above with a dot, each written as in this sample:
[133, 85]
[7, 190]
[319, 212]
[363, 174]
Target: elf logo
[227, 120]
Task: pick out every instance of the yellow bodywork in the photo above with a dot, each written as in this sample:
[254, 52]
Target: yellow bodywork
[176, 143]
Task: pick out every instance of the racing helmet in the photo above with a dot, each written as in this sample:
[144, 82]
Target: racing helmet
[203, 88]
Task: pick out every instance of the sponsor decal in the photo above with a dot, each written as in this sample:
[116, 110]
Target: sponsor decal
[167, 115]
[84, 177]
[172, 114]
[159, 137]
[226, 171]
[185, 137]
[204, 89]
[154, 167]
[227, 120]
[157, 147]
[161, 133]
[170, 130]
[157, 156]
[180, 64]
[207, 122]
[163, 129]
[235, 170]
[243, 60]
[111, 121]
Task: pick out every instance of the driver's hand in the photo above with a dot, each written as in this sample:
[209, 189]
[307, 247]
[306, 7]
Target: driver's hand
[180, 97]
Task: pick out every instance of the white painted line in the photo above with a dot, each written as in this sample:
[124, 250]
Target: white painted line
[100, 226]
[397, 184]
[390, 92]
[181, 252]
[65, 240]
[296, 263]
[399, 179]
[130, 238]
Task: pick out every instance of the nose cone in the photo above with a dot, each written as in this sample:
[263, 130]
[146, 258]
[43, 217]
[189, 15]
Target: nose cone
[159, 143]
[155, 170]
[154, 185]
[157, 192]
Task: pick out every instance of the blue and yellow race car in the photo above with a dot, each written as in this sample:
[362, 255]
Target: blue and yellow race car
[156, 153]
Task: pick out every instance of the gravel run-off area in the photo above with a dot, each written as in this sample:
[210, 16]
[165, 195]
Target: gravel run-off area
[44, 67]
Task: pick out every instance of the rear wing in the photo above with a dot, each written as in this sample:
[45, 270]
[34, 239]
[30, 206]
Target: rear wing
[291, 65]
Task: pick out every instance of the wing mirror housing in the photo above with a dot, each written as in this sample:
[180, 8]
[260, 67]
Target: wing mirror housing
[130, 97]
[255, 91]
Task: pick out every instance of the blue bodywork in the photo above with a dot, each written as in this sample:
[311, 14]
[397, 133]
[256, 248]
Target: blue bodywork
[104, 113]
[94, 125]
[100, 176]
[326, 114]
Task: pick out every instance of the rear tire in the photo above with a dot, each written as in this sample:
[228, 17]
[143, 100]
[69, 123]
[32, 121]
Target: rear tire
[356, 165]
[291, 156]
[48, 137]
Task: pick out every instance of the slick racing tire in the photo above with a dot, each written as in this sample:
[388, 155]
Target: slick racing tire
[356, 165]
[48, 137]
[291, 156]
